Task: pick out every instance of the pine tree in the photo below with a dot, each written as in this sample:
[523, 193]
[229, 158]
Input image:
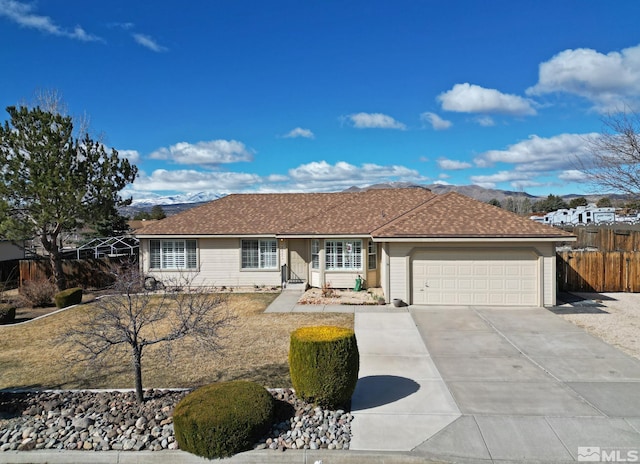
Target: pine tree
[52, 182]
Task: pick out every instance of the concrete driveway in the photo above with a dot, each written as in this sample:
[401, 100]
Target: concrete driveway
[529, 386]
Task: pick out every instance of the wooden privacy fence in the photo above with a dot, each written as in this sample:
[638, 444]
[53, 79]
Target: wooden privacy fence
[85, 273]
[597, 271]
[620, 237]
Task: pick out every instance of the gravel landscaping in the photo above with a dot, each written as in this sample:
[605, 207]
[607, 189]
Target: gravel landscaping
[612, 317]
[112, 420]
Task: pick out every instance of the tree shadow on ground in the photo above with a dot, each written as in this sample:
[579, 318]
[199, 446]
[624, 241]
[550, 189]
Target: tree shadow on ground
[577, 304]
[274, 375]
[14, 401]
[378, 390]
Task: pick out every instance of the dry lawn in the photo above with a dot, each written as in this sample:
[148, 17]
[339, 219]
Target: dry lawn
[255, 348]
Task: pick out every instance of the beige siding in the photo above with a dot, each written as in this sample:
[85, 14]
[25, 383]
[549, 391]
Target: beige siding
[341, 279]
[398, 270]
[219, 265]
[549, 274]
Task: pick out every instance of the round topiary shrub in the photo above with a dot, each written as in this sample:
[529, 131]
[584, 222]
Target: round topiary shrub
[68, 297]
[223, 419]
[324, 363]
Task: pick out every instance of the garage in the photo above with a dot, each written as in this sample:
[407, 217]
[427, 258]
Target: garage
[497, 278]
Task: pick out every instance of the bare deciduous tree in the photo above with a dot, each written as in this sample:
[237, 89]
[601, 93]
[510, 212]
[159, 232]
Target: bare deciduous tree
[614, 165]
[135, 317]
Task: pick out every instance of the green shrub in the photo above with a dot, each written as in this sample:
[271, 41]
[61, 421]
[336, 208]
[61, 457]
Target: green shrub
[223, 419]
[68, 297]
[7, 313]
[38, 293]
[324, 363]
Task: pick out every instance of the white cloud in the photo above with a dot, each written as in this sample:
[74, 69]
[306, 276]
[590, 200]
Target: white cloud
[374, 121]
[540, 154]
[189, 180]
[209, 153]
[312, 177]
[453, 165]
[485, 121]
[320, 175]
[23, 14]
[132, 155]
[148, 42]
[471, 98]
[573, 175]
[609, 81]
[437, 123]
[443, 175]
[441, 182]
[299, 132]
[490, 181]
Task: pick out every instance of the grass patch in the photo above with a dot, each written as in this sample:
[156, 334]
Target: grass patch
[256, 349]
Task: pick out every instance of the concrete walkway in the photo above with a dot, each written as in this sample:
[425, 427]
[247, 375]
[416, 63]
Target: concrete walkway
[400, 399]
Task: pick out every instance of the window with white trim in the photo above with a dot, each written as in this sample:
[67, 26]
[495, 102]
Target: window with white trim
[173, 254]
[315, 254]
[372, 255]
[259, 254]
[343, 255]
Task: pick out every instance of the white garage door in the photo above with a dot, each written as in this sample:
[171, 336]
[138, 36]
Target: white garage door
[507, 278]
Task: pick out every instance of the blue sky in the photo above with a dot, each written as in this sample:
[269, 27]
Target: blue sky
[255, 96]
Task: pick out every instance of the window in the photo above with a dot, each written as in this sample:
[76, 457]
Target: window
[315, 254]
[259, 254]
[372, 254]
[173, 254]
[343, 255]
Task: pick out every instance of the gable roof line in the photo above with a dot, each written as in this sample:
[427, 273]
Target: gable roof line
[318, 212]
[399, 218]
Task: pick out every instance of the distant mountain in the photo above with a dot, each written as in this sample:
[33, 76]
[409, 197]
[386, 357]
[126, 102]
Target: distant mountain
[171, 205]
[477, 192]
[177, 203]
[200, 197]
[473, 191]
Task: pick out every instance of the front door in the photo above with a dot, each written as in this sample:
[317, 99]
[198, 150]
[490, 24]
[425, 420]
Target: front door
[298, 260]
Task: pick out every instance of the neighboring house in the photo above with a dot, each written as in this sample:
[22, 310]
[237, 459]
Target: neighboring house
[10, 250]
[581, 215]
[419, 247]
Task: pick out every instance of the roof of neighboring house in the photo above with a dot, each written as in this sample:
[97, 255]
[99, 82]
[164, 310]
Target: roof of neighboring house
[384, 213]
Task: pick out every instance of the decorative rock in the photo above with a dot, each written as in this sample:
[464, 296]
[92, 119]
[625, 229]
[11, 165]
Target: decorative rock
[109, 420]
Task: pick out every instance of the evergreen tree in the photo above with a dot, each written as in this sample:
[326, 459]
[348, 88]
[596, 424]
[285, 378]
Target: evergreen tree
[53, 182]
[157, 212]
[604, 202]
[579, 201]
[551, 203]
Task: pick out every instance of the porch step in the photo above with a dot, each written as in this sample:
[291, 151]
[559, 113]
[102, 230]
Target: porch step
[296, 286]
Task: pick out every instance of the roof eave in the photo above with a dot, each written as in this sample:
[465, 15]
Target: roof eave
[476, 238]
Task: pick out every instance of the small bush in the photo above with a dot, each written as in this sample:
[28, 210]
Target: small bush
[328, 291]
[223, 419]
[68, 297]
[38, 293]
[7, 313]
[324, 363]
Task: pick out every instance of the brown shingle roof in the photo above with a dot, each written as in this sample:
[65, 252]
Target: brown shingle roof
[456, 215]
[411, 212]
